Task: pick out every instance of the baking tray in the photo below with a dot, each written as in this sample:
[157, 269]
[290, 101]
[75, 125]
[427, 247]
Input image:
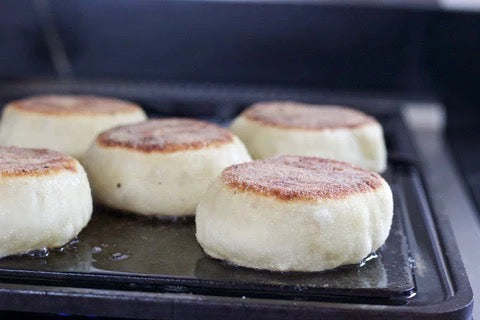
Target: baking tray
[128, 266]
[122, 252]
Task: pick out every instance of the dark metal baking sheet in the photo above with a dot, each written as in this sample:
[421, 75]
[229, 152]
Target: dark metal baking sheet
[125, 251]
[441, 287]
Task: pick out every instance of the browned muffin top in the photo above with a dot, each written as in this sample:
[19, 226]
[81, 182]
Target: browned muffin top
[33, 162]
[166, 135]
[62, 105]
[294, 115]
[300, 178]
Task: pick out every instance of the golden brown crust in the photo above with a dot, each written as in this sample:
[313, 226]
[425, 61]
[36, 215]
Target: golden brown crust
[16, 162]
[294, 115]
[300, 178]
[64, 105]
[166, 135]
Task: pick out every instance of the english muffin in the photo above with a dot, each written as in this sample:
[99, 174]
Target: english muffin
[160, 167]
[294, 213]
[45, 199]
[278, 128]
[65, 123]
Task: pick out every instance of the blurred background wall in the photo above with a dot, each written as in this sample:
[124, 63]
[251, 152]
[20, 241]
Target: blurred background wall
[407, 48]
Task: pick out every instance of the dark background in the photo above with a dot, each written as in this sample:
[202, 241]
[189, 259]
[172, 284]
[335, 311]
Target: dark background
[408, 48]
